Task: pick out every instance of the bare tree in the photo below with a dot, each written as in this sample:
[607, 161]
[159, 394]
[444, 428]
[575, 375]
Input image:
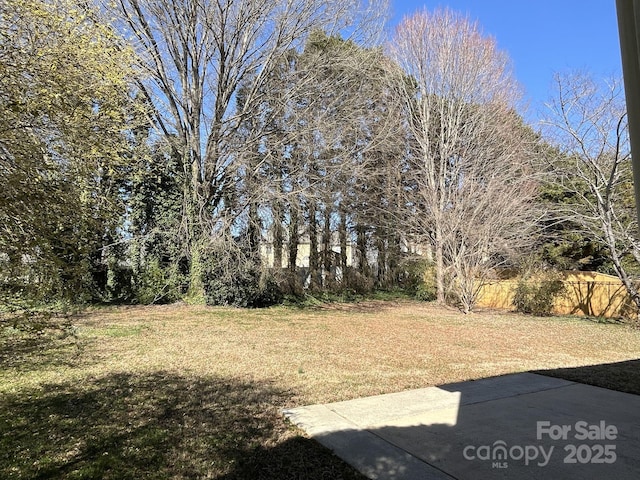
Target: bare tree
[196, 55]
[469, 189]
[588, 124]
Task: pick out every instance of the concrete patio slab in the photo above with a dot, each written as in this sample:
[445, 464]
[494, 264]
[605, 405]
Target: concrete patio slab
[521, 426]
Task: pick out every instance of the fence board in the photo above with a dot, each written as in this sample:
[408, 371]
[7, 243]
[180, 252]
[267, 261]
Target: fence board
[587, 293]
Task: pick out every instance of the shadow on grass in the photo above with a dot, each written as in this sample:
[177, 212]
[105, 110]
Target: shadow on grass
[160, 425]
[620, 376]
[25, 352]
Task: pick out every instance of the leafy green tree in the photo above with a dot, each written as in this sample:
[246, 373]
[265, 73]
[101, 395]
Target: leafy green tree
[64, 111]
[154, 200]
[563, 245]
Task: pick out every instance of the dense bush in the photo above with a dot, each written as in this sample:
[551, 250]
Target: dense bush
[290, 283]
[425, 292]
[120, 284]
[245, 288]
[158, 284]
[245, 285]
[354, 282]
[425, 287]
[537, 297]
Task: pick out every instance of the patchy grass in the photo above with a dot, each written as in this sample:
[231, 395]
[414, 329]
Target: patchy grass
[193, 392]
[156, 425]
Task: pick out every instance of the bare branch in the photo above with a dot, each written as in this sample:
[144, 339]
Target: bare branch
[471, 190]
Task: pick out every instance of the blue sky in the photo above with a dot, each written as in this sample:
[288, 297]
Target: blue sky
[541, 36]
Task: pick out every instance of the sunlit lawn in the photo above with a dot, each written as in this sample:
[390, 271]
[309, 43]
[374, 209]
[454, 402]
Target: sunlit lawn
[194, 392]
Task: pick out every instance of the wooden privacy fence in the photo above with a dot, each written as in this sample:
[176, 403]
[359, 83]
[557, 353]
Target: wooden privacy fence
[586, 293]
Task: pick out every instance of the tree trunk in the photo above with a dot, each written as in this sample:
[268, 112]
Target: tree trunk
[342, 232]
[326, 248]
[439, 257]
[363, 265]
[192, 235]
[293, 240]
[254, 232]
[382, 270]
[313, 248]
[278, 235]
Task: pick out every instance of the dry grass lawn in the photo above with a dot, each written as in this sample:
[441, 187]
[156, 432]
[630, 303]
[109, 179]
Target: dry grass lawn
[193, 392]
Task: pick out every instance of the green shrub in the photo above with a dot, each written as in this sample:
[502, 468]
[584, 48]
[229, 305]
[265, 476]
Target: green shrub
[537, 297]
[425, 292]
[425, 289]
[158, 284]
[119, 283]
[246, 286]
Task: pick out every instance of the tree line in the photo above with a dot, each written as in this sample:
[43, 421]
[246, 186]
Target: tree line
[237, 151]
